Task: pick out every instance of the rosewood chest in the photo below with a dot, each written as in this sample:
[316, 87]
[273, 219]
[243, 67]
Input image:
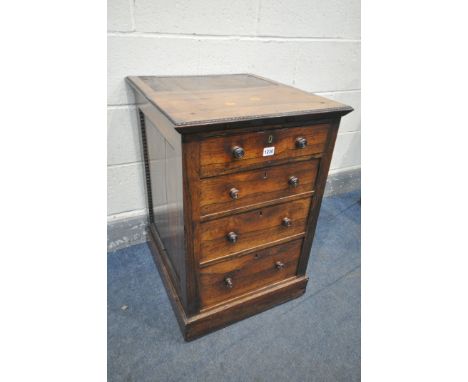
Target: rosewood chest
[235, 168]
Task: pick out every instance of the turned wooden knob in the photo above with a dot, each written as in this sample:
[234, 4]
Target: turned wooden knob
[234, 193]
[301, 142]
[287, 222]
[228, 282]
[279, 265]
[238, 152]
[293, 181]
[232, 237]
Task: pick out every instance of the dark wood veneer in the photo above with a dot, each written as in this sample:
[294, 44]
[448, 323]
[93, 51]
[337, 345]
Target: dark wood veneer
[231, 228]
[249, 272]
[254, 186]
[252, 228]
[216, 153]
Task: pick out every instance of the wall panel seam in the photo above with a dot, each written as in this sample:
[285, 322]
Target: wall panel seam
[350, 132]
[125, 214]
[132, 13]
[342, 169]
[124, 164]
[265, 38]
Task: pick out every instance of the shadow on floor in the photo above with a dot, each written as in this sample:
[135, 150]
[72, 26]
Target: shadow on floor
[313, 338]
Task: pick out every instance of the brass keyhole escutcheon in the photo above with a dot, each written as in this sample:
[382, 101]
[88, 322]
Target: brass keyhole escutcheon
[270, 138]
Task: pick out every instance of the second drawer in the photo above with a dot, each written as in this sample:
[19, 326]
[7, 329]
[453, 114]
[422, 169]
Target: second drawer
[232, 234]
[233, 191]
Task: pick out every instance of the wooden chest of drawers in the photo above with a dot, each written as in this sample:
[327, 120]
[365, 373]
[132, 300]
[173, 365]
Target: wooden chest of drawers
[235, 169]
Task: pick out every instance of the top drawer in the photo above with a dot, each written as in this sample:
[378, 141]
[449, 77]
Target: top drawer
[224, 154]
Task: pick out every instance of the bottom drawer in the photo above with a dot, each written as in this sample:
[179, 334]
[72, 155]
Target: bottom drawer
[235, 277]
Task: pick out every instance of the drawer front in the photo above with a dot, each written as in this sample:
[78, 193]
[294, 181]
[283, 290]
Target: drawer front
[237, 190]
[218, 154]
[233, 278]
[232, 234]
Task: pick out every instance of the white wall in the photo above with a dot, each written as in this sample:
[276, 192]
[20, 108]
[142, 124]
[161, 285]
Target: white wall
[311, 44]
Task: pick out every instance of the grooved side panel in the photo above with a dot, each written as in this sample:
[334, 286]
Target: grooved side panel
[168, 217]
[144, 142]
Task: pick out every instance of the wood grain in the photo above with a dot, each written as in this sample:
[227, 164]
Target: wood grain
[317, 199]
[202, 100]
[191, 194]
[256, 186]
[248, 272]
[217, 158]
[241, 308]
[253, 228]
[224, 259]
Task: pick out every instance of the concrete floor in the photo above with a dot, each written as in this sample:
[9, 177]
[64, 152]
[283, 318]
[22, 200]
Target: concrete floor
[313, 338]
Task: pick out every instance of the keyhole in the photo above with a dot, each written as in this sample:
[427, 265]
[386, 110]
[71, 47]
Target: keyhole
[265, 175]
[270, 138]
[260, 213]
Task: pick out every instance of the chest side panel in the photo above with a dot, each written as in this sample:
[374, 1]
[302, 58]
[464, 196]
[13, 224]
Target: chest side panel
[165, 172]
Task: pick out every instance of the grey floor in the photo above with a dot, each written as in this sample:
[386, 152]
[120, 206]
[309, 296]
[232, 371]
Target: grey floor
[313, 338]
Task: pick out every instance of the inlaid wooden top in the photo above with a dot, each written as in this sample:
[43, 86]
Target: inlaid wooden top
[196, 100]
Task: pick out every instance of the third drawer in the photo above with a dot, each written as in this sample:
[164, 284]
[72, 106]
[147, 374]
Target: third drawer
[230, 235]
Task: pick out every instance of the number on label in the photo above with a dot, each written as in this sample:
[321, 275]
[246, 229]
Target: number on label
[267, 151]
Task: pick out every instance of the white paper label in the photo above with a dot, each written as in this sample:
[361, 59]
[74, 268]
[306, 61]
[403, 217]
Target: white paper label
[267, 151]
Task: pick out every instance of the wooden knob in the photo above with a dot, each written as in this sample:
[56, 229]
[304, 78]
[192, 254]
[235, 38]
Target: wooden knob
[279, 265]
[234, 193]
[301, 142]
[238, 152]
[228, 282]
[232, 237]
[293, 181]
[287, 222]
